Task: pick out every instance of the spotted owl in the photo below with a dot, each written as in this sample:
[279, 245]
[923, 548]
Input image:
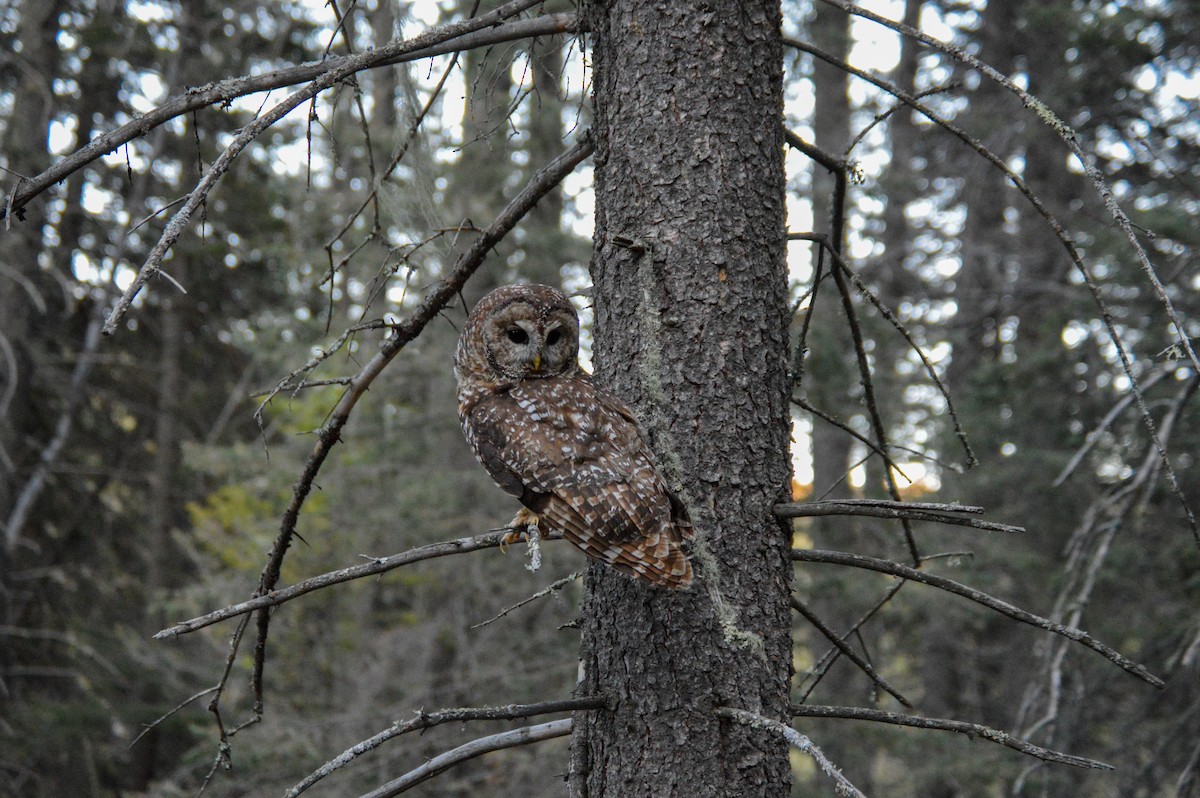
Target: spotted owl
[569, 450]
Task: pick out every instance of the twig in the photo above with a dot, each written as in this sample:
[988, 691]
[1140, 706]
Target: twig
[410, 137]
[802, 608]
[863, 439]
[897, 510]
[979, 597]
[972, 730]
[870, 444]
[427, 720]
[886, 312]
[830, 656]
[483, 745]
[375, 566]
[168, 714]
[553, 586]
[1112, 415]
[797, 740]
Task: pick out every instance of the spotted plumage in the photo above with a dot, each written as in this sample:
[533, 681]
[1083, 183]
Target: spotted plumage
[569, 450]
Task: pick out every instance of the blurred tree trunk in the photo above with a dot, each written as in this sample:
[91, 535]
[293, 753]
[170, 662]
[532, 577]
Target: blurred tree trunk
[25, 289]
[891, 276]
[691, 303]
[981, 293]
[979, 287]
[830, 375]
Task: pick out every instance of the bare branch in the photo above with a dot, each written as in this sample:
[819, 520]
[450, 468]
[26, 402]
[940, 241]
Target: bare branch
[546, 591]
[225, 91]
[979, 597]
[914, 511]
[830, 656]
[972, 730]
[797, 740]
[75, 395]
[802, 608]
[863, 439]
[376, 566]
[355, 63]
[171, 712]
[484, 745]
[1112, 415]
[885, 311]
[427, 720]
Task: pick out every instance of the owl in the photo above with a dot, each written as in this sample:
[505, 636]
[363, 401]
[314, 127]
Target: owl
[569, 450]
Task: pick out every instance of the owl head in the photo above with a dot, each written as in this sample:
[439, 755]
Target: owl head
[519, 332]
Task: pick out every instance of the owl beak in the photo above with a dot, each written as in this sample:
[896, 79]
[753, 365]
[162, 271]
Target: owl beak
[537, 362]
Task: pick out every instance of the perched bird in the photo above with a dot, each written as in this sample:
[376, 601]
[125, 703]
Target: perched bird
[567, 448]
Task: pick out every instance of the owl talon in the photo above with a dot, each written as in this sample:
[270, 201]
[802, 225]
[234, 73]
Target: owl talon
[513, 535]
[517, 528]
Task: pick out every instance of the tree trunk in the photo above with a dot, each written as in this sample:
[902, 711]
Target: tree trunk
[830, 378]
[691, 308]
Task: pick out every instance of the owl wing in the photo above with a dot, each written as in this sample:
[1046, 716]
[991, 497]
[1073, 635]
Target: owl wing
[573, 454]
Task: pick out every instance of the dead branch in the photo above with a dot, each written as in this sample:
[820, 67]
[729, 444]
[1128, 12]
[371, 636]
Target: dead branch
[1087, 552]
[225, 91]
[972, 730]
[376, 566]
[915, 511]
[171, 712]
[890, 317]
[979, 597]
[427, 720]
[546, 591]
[802, 608]
[1112, 415]
[797, 740]
[830, 656]
[484, 745]
[75, 395]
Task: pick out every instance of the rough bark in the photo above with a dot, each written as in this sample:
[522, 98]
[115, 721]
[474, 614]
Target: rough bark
[690, 305]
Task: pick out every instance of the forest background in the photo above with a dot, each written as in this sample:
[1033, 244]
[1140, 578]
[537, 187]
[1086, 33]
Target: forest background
[140, 486]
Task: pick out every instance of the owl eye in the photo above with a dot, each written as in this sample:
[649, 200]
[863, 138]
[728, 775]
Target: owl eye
[517, 335]
[553, 337]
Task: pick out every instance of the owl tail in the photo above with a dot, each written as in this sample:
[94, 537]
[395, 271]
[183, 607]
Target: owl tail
[657, 558]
